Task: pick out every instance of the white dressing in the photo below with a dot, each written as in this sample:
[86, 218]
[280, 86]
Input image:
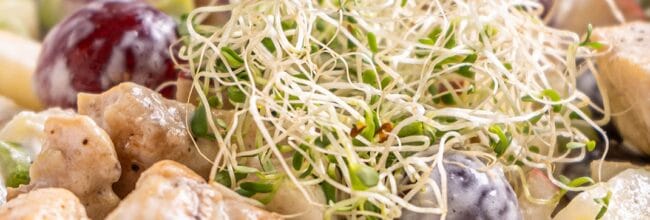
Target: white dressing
[27, 129]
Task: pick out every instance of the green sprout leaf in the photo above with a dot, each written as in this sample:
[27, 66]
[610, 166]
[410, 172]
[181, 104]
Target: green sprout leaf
[199, 121]
[370, 121]
[466, 71]
[322, 141]
[372, 42]
[245, 169]
[415, 128]
[307, 172]
[527, 98]
[236, 95]
[232, 57]
[553, 96]
[223, 178]
[574, 145]
[577, 182]
[297, 160]
[503, 142]
[329, 191]
[386, 81]
[268, 43]
[245, 193]
[580, 181]
[587, 41]
[605, 205]
[591, 145]
[535, 119]
[363, 176]
[447, 99]
[427, 41]
[370, 77]
[257, 187]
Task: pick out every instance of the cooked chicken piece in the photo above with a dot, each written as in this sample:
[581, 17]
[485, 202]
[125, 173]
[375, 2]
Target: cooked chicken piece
[46, 203]
[145, 128]
[625, 73]
[79, 156]
[575, 15]
[169, 190]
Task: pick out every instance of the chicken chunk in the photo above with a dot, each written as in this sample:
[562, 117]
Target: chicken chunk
[625, 73]
[183, 194]
[46, 203]
[79, 156]
[145, 128]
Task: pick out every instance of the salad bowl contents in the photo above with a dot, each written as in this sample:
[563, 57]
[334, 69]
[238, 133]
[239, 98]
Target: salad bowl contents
[462, 109]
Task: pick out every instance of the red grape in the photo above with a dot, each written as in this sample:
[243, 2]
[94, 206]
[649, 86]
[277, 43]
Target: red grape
[103, 44]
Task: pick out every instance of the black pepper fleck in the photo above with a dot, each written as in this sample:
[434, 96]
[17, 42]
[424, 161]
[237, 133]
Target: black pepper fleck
[135, 167]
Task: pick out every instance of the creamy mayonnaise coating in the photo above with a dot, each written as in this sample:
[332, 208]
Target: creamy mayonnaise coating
[27, 129]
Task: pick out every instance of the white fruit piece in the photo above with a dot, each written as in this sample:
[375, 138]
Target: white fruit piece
[19, 17]
[542, 190]
[7, 110]
[625, 74]
[18, 57]
[630, 199]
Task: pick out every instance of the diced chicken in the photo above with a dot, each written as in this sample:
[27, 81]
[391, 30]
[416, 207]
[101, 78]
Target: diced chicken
[625, 73]
[42, 204]
[79, 156]
[169, 190]
[145, 128]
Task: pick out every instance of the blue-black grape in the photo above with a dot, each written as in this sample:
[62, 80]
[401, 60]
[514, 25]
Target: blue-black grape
[471, 192]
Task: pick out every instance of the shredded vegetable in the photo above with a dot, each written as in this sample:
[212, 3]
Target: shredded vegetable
[354, 96]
